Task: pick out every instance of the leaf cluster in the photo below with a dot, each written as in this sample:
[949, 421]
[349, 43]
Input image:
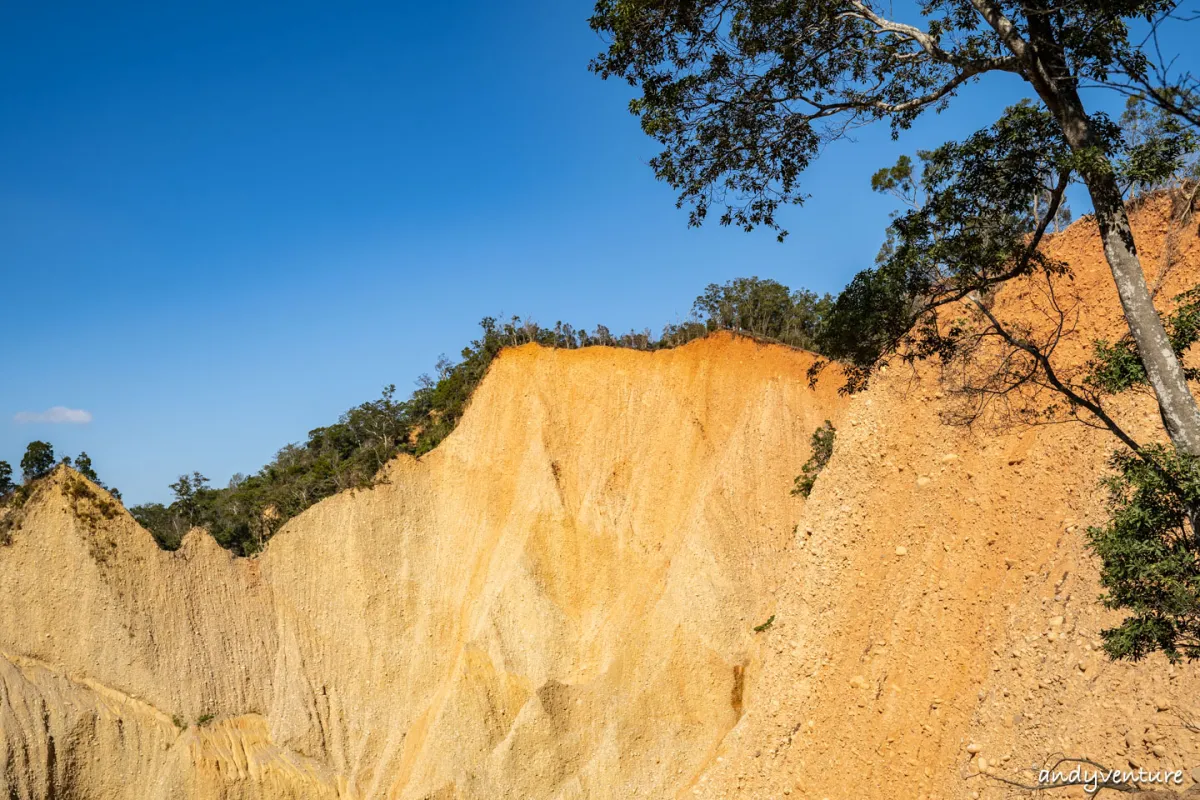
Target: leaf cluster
[744, 94]
[1150, 554]
[975, 230]
[822, 450]
[1115, 367]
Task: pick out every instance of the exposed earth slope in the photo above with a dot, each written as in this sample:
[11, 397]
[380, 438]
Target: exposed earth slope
[558, 602]
[561, 602]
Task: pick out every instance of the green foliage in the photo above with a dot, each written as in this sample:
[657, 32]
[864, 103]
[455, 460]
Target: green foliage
[764, 308]
[766, 625]
[204, 719]
[902, 180]
[161, 522]
[1117, 367]
[971, 233]
[1148, 548]
[350, 453]
[37, 461]
[744, 94]
[899, 178]
[1150, 560]
[83, 465]
[1159, 148]
[6, 482]
[822, 450]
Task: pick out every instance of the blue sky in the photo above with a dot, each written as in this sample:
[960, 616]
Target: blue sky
[222, 224]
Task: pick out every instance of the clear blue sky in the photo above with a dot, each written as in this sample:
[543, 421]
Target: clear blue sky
[222, 224]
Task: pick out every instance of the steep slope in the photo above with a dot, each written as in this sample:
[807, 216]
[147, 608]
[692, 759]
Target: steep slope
[558, 602]
[942, 595]
[561, 600]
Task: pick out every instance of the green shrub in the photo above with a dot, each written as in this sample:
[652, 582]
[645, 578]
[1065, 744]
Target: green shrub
[822, 451]
[1150, 562]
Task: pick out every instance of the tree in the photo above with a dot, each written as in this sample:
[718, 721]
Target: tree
[743, 94]
[6, 483]
[37, 461]
[1148, 551]
[158, 519]
[763, 307]
[760, 307]
[186, 491]
[1160, 149]
[83, 465]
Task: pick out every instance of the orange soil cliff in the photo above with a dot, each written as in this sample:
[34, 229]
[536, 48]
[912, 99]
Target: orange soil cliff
[560, 602]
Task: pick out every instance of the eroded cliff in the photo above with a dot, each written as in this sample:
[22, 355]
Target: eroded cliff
[561, 602]
[558, 602]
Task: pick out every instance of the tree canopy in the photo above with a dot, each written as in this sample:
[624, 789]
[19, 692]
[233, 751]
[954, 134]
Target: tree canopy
[742, 95]
[6, 482]
[37, 461]
[764, 308]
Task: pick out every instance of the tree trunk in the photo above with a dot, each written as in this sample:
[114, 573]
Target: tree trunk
[1048, 70]
[1180, 414]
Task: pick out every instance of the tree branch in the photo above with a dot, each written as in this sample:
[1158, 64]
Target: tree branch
[1055, 381]
[928, 44]
[1005, 28]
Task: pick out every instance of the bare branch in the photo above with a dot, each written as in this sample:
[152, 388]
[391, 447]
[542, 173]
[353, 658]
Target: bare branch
[1055, 381]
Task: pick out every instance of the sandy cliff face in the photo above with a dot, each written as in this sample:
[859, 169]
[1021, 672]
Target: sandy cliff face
[560, 602]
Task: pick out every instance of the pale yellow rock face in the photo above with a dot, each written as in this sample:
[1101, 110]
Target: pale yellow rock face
[558, 602]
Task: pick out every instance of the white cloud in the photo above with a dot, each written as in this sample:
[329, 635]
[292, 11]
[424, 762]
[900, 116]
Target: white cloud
[59, 415]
